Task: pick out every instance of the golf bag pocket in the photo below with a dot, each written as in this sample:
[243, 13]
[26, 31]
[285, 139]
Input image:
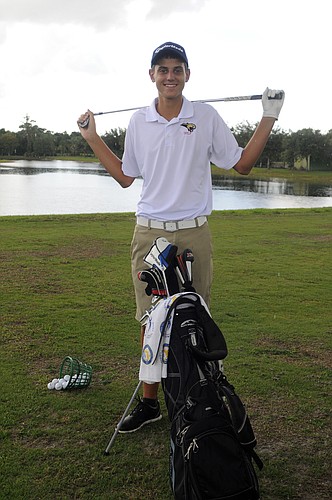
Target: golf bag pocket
[208, 462]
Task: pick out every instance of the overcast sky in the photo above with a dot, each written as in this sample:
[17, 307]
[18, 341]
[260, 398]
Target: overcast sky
[60, 57]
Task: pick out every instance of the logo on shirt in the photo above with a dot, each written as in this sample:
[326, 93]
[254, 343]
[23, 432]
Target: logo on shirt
[189, 126]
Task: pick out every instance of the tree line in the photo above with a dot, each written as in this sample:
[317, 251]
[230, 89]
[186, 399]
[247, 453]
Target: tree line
[307, 147]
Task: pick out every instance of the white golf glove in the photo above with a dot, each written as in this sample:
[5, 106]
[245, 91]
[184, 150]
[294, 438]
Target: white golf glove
[271, 106]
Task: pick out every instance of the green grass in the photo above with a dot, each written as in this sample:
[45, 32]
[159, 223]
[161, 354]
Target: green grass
[66, 290]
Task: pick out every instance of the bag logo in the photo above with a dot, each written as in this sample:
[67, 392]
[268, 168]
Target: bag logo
[147, 354]
[164, 358]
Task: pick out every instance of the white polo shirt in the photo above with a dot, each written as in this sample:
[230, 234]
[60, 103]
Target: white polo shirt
[173, 158]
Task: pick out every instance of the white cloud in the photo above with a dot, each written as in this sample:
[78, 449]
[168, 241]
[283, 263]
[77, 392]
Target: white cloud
[100, 14]
[161, 8]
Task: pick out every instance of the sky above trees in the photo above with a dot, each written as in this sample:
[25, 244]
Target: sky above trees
[60, 58]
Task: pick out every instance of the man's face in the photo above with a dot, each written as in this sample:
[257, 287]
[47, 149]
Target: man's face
[170, 77]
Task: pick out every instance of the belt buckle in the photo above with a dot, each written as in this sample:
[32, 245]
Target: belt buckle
[171, 226]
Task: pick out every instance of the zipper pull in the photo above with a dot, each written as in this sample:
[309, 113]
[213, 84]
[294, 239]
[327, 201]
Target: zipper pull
[192, 333]
[193, 447]
[180, 435]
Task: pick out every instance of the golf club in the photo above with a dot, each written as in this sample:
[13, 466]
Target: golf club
[188, 259]
[255, 97]
[178, 272]
[182, 270]
[155, 281]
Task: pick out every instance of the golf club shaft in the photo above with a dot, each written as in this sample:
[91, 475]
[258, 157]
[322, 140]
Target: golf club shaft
[255, 97]
[106, 452]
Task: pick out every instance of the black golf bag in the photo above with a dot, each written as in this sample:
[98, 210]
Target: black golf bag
[211, 438]
[212, 441]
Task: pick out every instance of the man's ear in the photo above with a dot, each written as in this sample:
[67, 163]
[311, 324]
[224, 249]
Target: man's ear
[187, 74]
[151, 73]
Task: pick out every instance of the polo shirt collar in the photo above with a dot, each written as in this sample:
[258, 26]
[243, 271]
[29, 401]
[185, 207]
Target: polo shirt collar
[187, 111]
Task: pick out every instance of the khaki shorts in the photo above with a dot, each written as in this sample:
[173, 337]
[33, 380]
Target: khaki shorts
[197, 239]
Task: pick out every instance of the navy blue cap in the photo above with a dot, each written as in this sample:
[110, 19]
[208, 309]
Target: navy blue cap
[171, 48]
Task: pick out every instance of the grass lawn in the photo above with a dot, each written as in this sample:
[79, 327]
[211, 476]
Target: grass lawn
[65, 289]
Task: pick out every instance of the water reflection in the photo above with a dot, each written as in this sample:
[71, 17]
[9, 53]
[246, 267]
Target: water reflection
[60, 187]
[271, 186]
[34, 167]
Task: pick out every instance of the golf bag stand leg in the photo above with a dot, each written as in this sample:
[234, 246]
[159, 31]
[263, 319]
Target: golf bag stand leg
[110, 444]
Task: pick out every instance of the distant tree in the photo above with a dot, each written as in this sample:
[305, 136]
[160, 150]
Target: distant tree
[8, 143]
[28, 134]
[115, 140]
[272, 152]
[78, 146]
[62, 143]
[44, 144]
[309, 144]
[243, 132]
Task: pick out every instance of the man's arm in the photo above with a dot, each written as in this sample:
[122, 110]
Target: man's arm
[107, 158]
[256, 145]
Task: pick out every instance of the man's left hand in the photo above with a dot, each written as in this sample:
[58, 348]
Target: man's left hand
[272, 101]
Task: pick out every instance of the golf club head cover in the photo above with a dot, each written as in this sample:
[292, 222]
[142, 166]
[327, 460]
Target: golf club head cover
[167, 251]
[155, 282]
[188, 259]
[183, 263]
[160, 254]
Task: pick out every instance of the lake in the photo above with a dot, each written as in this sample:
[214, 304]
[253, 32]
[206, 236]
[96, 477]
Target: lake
[68, 187]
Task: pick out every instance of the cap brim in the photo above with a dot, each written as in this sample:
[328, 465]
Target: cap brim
[165, 52]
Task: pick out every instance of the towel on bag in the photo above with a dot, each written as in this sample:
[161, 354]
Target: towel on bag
[153, 366]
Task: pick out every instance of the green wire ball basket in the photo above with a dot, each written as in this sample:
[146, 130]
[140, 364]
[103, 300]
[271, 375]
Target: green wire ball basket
[79, 374]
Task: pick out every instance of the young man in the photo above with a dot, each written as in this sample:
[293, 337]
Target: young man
[171, 145]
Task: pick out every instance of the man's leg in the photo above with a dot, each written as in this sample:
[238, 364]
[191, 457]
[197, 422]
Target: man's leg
[147, 410]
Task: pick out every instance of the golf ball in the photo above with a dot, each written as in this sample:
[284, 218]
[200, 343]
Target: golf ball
[67, 377]
[58, 386]
[64, 384]
[51, 385]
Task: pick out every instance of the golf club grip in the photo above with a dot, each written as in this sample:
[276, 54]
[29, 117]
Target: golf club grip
[84, 123]
[279, 95]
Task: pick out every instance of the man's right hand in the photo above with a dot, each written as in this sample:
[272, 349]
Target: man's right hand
[87, 125]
